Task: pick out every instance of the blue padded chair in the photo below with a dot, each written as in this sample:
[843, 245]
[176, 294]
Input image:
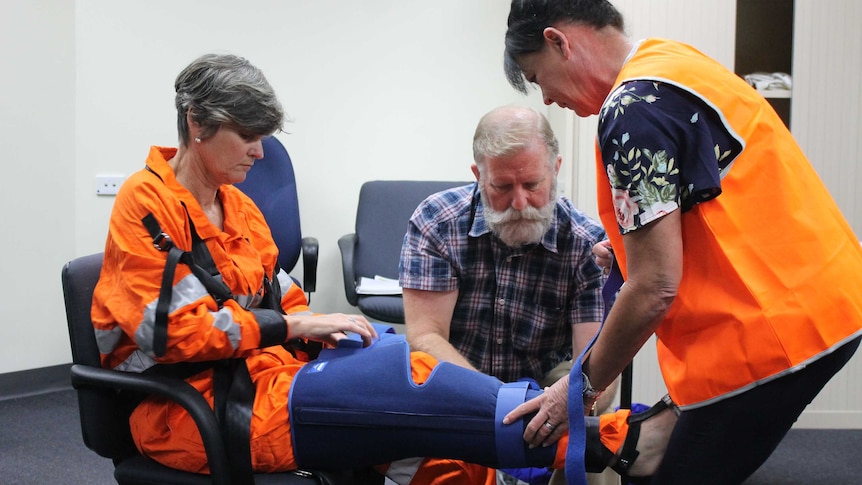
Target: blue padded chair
[374, 249]
[271, 184]
[107, 397]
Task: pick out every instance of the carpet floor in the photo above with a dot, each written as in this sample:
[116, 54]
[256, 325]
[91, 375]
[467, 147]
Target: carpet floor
[40, 444]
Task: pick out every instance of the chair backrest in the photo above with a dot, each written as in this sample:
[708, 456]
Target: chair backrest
[384, 208]
[271, 184]
[104, 413]
[79, 278]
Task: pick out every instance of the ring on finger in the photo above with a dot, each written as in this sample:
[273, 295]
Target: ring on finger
[352, 320]
[549, 426]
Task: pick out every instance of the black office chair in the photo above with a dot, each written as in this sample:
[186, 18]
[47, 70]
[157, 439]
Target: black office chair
[106, 398]
[374, 249]
[271, 184]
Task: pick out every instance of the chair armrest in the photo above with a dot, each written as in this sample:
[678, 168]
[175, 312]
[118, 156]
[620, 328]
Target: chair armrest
[310, 250]
[347, 245]
[179, 391]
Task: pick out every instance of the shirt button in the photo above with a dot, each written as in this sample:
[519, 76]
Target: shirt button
[499, 341]
[501, 301]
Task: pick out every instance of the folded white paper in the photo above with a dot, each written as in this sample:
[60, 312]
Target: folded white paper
[378, 285]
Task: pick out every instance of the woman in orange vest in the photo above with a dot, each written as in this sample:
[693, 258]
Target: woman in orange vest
[190, 288]
[733, 252]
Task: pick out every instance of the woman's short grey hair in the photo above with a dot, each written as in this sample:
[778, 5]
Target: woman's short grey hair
[223, 89]
[507, 130]
[528, 20]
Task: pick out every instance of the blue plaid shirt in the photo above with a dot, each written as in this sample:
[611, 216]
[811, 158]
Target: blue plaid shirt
[516, 306]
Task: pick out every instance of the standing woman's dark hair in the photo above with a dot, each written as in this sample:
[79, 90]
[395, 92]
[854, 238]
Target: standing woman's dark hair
[223, 89]
[529, 18]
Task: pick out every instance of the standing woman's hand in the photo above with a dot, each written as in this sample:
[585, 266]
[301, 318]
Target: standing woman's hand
[329, 328]
[551, 421]
[604, 255]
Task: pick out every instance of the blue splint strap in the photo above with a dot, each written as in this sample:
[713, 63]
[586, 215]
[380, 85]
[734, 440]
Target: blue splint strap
[511, 447]
[576, 473]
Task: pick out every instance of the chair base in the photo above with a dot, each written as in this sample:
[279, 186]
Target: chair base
[140, 470]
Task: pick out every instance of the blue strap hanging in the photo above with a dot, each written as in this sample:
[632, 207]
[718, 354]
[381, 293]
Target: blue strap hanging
[576, 473]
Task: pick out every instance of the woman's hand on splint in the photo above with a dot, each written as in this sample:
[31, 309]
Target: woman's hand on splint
[551, 421]
[329, 328]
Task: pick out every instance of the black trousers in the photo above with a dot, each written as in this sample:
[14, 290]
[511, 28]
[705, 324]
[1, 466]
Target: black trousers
[724, 443]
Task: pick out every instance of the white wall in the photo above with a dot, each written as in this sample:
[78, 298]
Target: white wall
[826, 120]
[37, 133]
[381, 89]
[827, 101]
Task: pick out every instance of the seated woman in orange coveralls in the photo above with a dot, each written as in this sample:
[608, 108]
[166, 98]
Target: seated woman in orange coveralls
[225, 309]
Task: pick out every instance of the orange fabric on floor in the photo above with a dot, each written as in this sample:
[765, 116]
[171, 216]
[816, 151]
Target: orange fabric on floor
[452, 472]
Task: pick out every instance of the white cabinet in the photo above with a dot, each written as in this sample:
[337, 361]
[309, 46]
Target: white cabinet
[764, 44]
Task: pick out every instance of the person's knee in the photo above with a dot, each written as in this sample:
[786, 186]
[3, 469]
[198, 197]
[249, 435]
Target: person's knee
[561, 370]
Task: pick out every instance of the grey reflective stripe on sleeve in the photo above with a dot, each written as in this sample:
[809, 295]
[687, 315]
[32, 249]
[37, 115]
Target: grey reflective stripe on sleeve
[284, 280]
[401, 472]
[223, 320]
[107, 340]
[137, 362]
[244, 301]
[187, 291]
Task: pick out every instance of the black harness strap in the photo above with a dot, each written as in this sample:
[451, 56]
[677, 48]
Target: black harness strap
[236, 427]
[199, 254]
[233, 389]
[233, 400]
[163, 242]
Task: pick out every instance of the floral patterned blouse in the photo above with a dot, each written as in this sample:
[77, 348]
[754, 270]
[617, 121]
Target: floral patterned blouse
[663, 148]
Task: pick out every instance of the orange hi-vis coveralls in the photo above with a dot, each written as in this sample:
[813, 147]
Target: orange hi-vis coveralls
[757, 299]
[199, 330]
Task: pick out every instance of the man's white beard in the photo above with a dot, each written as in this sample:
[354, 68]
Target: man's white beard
[518, 228]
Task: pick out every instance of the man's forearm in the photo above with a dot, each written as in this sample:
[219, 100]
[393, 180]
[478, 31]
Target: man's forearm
[439, 348]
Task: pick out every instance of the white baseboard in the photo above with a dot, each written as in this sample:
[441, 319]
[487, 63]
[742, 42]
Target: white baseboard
[830, 420]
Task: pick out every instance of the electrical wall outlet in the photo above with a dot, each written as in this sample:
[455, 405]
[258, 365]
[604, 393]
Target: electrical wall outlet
[108, 184]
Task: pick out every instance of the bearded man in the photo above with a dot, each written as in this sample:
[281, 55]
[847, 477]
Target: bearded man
[499, 275]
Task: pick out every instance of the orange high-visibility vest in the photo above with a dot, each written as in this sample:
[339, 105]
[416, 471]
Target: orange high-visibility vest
[772, 272]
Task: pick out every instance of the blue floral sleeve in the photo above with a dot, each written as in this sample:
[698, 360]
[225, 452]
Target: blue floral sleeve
[664, 149]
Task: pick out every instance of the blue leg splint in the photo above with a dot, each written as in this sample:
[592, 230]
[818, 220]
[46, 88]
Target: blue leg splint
[355, 407]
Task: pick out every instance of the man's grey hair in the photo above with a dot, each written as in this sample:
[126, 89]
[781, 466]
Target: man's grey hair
[507, 130]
